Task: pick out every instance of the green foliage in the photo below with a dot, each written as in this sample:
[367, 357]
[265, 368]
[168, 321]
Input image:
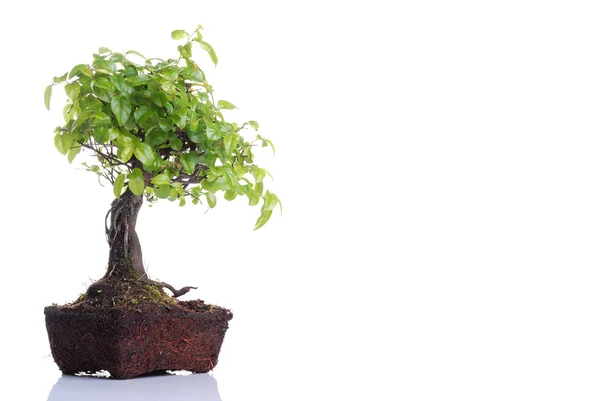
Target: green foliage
[156, 130]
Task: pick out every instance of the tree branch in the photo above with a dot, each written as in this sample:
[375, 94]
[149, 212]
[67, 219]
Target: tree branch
[187, 179]
[104, 155]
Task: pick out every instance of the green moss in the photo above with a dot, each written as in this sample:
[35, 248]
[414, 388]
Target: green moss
[123, 293]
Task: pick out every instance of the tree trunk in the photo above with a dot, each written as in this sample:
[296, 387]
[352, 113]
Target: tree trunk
[125, 255]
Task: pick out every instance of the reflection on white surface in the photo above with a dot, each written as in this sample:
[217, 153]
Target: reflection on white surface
[168, 387]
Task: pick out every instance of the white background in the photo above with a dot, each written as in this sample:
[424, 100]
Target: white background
[438, 166]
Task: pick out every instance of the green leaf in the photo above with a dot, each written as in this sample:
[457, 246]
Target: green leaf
[161, 179]
[224, 104]
[258, 187]
[136, 53]
[230, 194]
[253, 197]
[130, 72]
[141, 114]
[211, 133]
[211, 199]
[101, 134]
[91, 103]
[104, 83]
[47, 96]
[271, 201]
[74, 151]
[79, 70]
[209, 49]
[217, 171]
[81, 119]
[182, 101]
[230, 142]
[103, 50]
[168, 86]
[101, 119]
[101, 65]
[165, 124]
[116, 58]
[178, 187]
[122, 85]
[220, 184]
[118, 185]
[61, 79]
[68, 112]
[196, 135]
[95, 168]
[72, 89]
[102, 94]
[159, 98]
[193, 74]
[154, 166]
[263, 218]
[179, 34]
[189, 161]
[67, 142]
[156, 137]
[268, 142]
[253, 124]
[196, 191]
[122, 109]
[140, 80]
[136, 181]
[186, 50]
[179, 120]
[176, 144]
[113, 133]
[143, 152]
[232, 179]
[63, 142]
[125, 148]
[259, 174]
[162, 191]
[173, 195]
[171, 73]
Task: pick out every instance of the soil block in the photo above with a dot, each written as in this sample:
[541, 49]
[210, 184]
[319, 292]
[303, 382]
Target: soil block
[136, 341]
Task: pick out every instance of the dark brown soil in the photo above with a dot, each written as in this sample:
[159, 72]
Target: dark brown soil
[130, 328]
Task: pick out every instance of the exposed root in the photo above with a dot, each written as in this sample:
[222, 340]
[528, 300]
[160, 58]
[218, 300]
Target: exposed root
[119, 226]
[111, 270]
[118, 213]
[112, 229]
[176, 293]
[126, 238]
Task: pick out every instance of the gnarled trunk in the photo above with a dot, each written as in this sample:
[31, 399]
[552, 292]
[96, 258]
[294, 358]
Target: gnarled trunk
[125, 254]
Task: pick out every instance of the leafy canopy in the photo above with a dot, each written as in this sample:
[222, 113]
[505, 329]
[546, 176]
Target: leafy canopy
[155, 128]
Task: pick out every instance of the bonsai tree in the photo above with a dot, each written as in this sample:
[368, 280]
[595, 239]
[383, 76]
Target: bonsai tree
[154, 131]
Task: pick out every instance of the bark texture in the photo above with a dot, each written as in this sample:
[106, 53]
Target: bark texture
[125, 250]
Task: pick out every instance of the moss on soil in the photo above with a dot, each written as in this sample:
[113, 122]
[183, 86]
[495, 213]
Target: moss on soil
[130, 293]
[122, 293]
